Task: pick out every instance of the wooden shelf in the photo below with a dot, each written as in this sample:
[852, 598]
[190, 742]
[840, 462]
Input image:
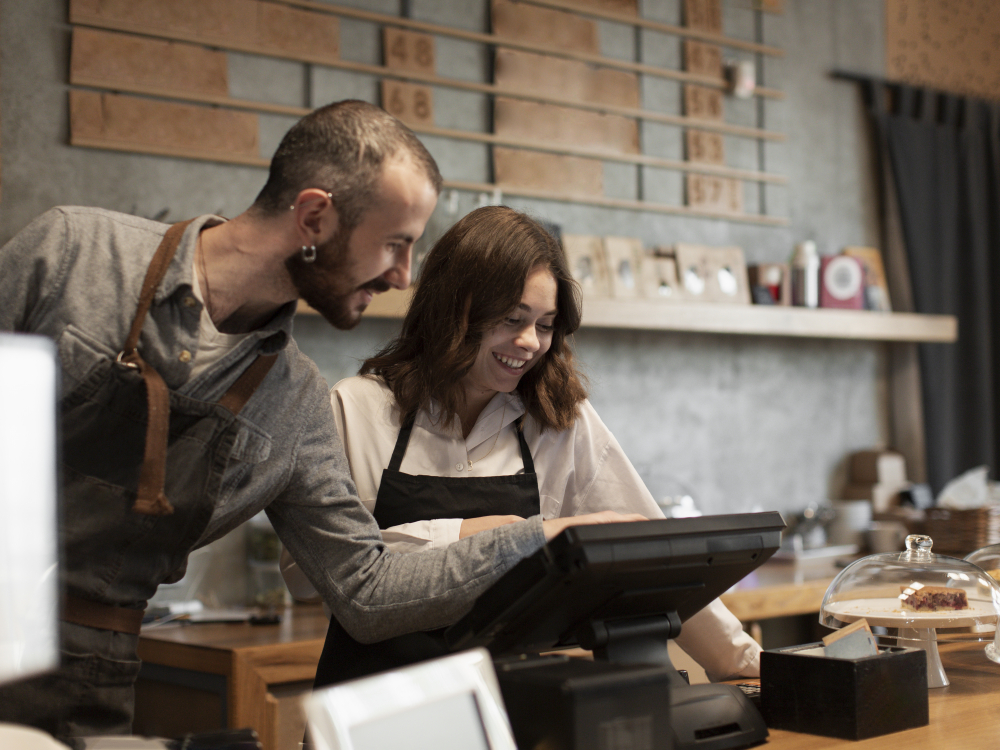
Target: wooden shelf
[748, 320]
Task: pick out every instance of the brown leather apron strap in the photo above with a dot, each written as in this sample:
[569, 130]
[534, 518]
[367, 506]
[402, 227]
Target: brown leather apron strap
[150, 498]
[101, 616]
[241, 391]
[154, 275]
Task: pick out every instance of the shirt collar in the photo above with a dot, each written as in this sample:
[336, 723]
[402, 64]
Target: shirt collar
[487, 425]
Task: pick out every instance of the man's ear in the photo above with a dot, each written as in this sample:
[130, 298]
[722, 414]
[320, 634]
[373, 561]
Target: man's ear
[316, 218]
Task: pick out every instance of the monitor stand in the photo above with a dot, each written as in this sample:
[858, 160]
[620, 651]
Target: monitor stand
[706, 717]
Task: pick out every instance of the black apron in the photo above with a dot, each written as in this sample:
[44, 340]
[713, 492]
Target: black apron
[404, 498]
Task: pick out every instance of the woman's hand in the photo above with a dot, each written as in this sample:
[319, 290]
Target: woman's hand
[472, 526]
[554, 526]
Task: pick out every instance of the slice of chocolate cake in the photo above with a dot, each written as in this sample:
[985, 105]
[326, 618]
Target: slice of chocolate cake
[932, 598]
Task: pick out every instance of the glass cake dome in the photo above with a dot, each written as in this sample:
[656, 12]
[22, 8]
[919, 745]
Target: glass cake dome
[987, 558]
[917, 599]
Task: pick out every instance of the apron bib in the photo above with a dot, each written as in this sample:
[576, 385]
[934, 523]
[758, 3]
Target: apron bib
[405, 498]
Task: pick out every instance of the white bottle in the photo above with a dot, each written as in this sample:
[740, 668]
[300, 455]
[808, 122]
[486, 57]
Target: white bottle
[805, 275]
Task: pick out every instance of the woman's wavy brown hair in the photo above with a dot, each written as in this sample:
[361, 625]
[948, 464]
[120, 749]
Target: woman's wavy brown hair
[470, 282]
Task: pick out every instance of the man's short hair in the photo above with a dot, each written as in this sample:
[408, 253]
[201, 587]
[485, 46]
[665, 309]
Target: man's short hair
[340, 148]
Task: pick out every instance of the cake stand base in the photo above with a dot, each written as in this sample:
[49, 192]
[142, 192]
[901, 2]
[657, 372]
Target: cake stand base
[926, 639]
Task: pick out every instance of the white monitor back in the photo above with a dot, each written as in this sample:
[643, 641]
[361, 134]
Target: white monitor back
[451, 703]
[29, 579]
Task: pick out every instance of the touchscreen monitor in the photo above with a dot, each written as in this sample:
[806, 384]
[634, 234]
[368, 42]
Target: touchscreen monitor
[592, 578]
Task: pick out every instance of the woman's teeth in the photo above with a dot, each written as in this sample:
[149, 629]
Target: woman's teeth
[515, 364]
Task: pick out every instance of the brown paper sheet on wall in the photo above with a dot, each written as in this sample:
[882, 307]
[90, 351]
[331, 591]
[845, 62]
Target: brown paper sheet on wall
[410, 102]
[529, 23]
[408, 50]
[106, 58]
[704, 15]
[284, 29]
[562, 175]
[246, 24]
[548, 123]
[145, 125]
[703, 147]
[567, 79]
[702, 59]
[950, 46]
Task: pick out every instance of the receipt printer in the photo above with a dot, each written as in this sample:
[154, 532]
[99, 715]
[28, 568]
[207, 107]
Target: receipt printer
[562, 703]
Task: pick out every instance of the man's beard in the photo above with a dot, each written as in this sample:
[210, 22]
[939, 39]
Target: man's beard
[325, 284]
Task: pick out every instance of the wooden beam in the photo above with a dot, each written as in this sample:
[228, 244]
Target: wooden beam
[619, 203]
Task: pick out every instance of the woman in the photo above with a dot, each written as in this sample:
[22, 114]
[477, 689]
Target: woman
[475, 416]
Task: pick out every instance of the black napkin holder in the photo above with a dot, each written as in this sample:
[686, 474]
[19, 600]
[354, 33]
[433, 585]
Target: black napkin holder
[852, 699]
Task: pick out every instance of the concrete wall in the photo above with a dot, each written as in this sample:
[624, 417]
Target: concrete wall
[737, 422]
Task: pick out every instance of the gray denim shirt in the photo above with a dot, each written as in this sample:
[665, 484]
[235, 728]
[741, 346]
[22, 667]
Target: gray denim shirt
[74, 274]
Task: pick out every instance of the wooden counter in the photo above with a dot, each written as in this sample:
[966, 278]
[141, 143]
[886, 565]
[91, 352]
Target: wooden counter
[201, 677]
[781, 589]
[210, 676]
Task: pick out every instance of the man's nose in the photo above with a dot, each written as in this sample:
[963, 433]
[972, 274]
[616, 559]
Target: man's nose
[399, 275]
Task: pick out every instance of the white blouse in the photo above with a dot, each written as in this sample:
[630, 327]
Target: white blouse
[580, 470]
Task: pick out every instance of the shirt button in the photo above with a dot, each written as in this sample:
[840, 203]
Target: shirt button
[184, 356]
[459, 467]
[189, 301]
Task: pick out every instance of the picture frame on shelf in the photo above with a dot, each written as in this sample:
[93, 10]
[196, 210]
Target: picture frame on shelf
[623, 256]
[660, 280]
[876, 291]
[713, 274]
[585, 255]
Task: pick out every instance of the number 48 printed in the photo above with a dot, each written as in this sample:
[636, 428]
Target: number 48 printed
[408, 50]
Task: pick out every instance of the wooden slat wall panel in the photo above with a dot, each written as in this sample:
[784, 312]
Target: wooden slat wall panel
[529, 23]
[580, 137]
[240, 24]
[106, 58]
[284, 29]
[219, 20]
[130, 123]
[548, 123]
[568, 79]
[551, 124]
[562, 175]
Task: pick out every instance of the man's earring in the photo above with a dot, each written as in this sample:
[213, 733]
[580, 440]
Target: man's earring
[308, 253]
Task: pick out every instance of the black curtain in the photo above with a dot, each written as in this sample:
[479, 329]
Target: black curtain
[942, 157]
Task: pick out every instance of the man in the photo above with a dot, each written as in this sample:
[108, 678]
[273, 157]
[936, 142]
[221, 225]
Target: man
[187, 407]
